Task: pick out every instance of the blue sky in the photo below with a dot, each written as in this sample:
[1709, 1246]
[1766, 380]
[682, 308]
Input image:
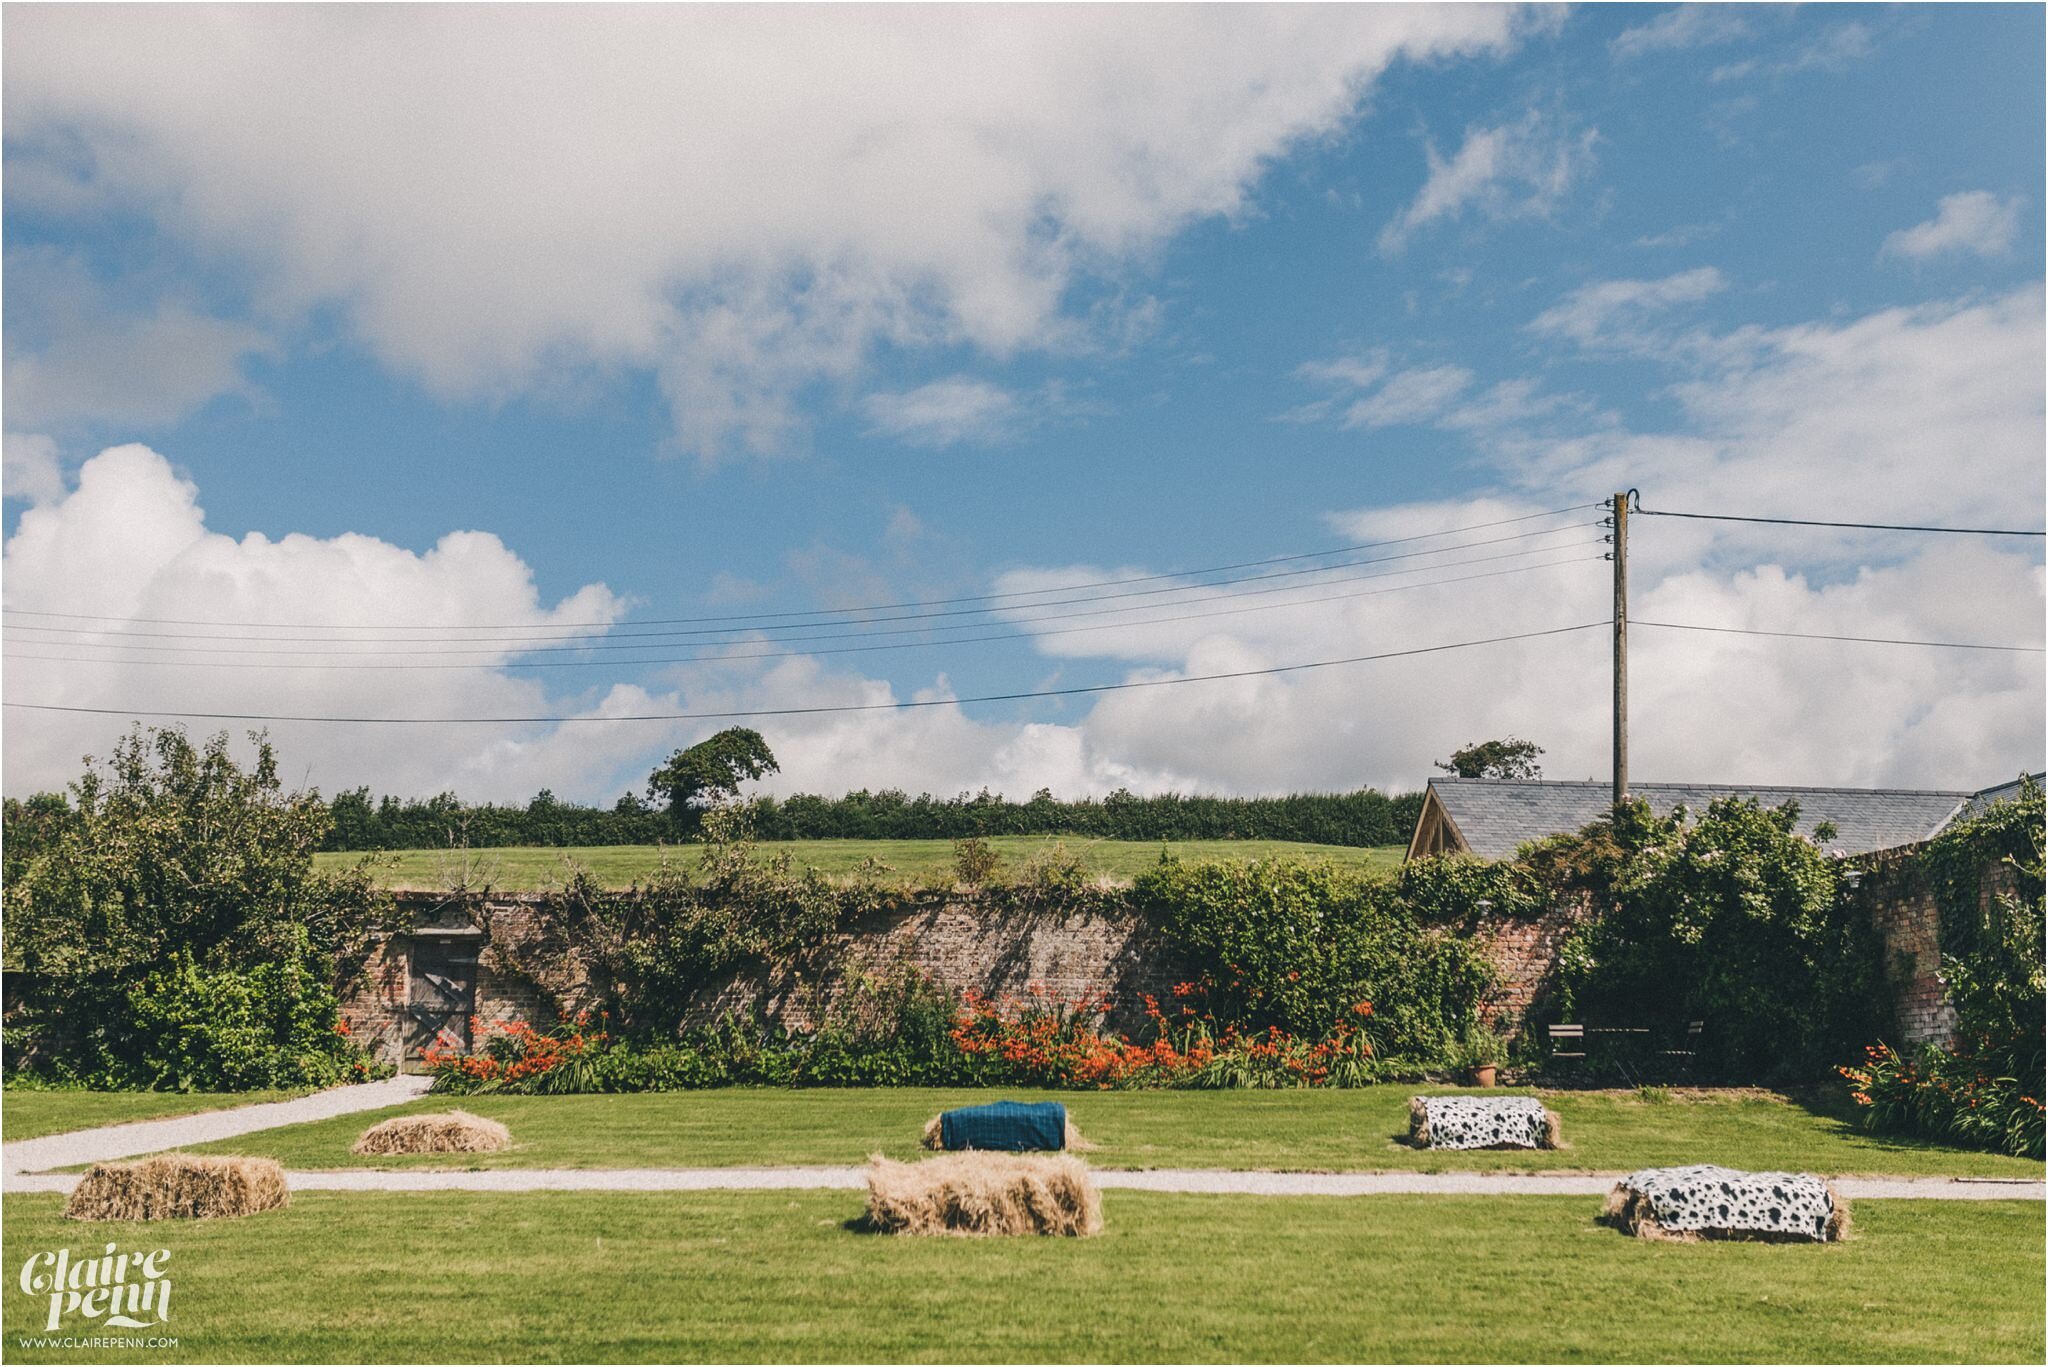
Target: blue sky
[1006, 300]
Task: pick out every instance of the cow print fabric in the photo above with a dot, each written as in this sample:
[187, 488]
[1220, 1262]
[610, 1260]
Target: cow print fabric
[1485, 1122]
[1704, 1199]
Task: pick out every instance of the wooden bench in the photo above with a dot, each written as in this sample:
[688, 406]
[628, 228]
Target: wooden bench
[1570, 1043]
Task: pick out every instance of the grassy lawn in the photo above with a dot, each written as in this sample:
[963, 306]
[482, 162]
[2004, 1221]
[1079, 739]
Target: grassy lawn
[751, 1276]
[528, 868]
[30, 1113]
[1289, 1130]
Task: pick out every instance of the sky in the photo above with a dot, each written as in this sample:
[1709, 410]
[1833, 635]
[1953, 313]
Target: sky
[412, 364]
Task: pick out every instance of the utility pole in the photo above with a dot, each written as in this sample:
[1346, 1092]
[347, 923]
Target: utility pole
[1620, 648]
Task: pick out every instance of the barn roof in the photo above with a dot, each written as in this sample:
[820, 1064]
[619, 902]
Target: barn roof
[1490, 817]
[1985, 797]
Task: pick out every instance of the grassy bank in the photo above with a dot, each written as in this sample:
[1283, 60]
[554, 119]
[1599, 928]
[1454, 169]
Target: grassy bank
[787, 1276]
[925, 862]
[1299, 1130]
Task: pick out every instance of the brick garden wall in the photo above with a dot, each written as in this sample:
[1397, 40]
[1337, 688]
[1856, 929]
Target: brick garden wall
[963, 945]
[1902, 905]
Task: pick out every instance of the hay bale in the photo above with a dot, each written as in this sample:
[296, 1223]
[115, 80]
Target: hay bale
[1482, 1122]
[179, 1186]
[1702, 1201]
[443, 1132]
[983, 1194]
[934, 1136]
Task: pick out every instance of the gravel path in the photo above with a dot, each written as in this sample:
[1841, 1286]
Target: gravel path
[1159, 1179]
[152, 1136]
[25, 1167]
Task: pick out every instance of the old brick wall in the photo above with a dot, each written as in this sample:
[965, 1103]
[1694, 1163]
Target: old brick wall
[374, 1005]
[964, 945]
[1523, 951]
[526, 974]
[1902, 905]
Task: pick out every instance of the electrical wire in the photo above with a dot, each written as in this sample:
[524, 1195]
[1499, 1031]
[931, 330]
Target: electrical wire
[830, 650]
[615, 635]
[1814, 522]
[1864, 640]
[1077, 691]
[629, 640]
[832, 612]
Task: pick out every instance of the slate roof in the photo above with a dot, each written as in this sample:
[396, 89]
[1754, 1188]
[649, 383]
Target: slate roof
[1495, 815]
[1985, 797]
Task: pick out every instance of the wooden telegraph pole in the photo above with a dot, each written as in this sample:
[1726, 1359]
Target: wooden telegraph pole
[1620, 648]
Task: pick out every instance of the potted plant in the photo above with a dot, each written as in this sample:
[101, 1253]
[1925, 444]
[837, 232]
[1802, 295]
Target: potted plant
[1482, 1052]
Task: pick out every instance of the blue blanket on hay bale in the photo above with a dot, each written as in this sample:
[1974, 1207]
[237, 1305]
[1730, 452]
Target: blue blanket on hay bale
[1008, 1126]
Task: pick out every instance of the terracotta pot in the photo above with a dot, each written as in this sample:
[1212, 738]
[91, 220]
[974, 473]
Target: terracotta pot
[1484, 1074]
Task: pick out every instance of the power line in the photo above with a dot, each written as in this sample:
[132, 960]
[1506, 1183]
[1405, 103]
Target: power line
[1863, 640]
[828, 612]
[610, 634]
[829, 650]
[810, 711]
[1812, 522]
[656, 640]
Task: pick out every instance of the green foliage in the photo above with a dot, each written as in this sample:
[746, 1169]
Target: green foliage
[1298, 946]
[1730, 918]
[1947, 1095]
[974, 861]
[1461, 890]
[1363, 818]
[1987, 1090]
[709, 773]
[660, 943]
[177, 874]
[227, 1029]
[1508, 758]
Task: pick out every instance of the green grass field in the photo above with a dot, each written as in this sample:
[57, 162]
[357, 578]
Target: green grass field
[1288, 1130]
[789, 1276]
[922, 862]
[30, 1112]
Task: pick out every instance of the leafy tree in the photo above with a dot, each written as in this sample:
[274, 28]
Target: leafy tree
[1730, 917]
[178, 866]
[710, 772]
[1508, 758]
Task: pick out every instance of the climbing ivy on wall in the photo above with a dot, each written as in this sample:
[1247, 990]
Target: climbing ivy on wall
[1729, 917]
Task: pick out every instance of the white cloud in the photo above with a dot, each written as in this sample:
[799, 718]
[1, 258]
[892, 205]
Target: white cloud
[1357, 372]
[945, 412]
[87, 359]
[1518, 170]
[1937, 410]
[1614, 313]
[758, 197]
[1410, 396]
[32, 470]
[131, 541]
[1687, 26]
[1834, 50]
[1976, 221]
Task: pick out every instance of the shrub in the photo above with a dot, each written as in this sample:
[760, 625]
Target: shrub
[1731, 918]
[168, 929]
[974, 861]
[230, 1030]
[1987, 1090]
[1278, 943]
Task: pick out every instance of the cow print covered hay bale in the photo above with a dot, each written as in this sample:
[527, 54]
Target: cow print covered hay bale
[1481, 1122]
[1707, 1202]
[978, 1193]
[178, 1186]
